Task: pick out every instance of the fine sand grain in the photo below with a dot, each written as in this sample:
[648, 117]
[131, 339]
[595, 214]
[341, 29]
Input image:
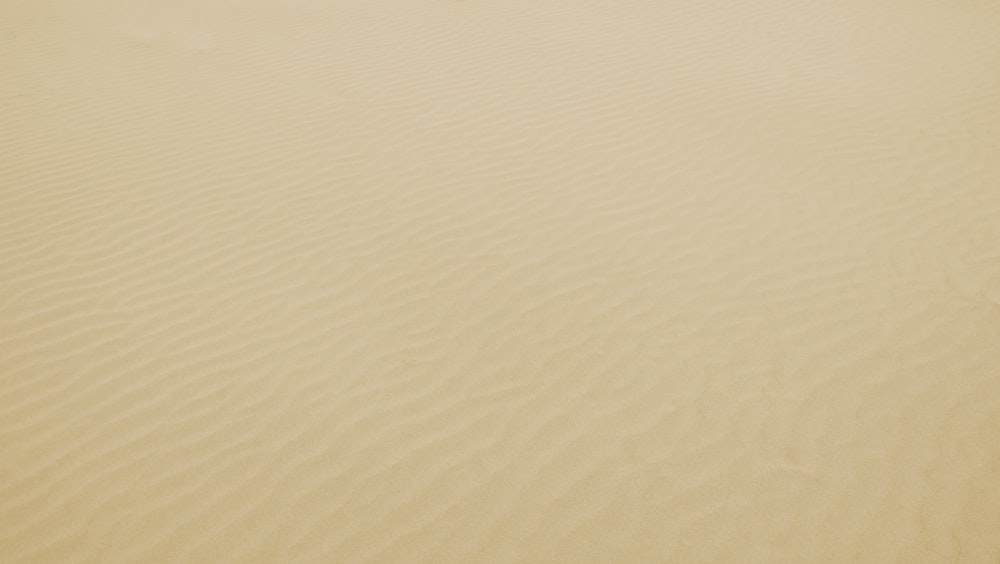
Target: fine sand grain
[499, 281]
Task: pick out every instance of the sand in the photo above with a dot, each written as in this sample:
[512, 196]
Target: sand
[499, 281]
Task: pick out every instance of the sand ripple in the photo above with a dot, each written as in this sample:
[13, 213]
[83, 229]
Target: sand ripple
[482, 281]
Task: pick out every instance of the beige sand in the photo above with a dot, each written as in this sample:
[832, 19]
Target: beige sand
[499, 281]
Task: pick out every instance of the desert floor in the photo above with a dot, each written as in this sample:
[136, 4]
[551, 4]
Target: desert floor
[499, 281]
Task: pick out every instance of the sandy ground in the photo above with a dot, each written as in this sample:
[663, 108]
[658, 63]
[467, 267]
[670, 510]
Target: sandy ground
[499, 281]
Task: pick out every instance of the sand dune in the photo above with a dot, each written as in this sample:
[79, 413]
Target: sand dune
[482, 281]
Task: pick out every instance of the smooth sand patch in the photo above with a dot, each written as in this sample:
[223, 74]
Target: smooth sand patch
[483, 281]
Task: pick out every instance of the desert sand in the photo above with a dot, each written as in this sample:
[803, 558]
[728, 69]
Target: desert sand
[499, 281]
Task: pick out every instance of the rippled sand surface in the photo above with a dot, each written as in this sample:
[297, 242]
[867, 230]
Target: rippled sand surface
[499, 281]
